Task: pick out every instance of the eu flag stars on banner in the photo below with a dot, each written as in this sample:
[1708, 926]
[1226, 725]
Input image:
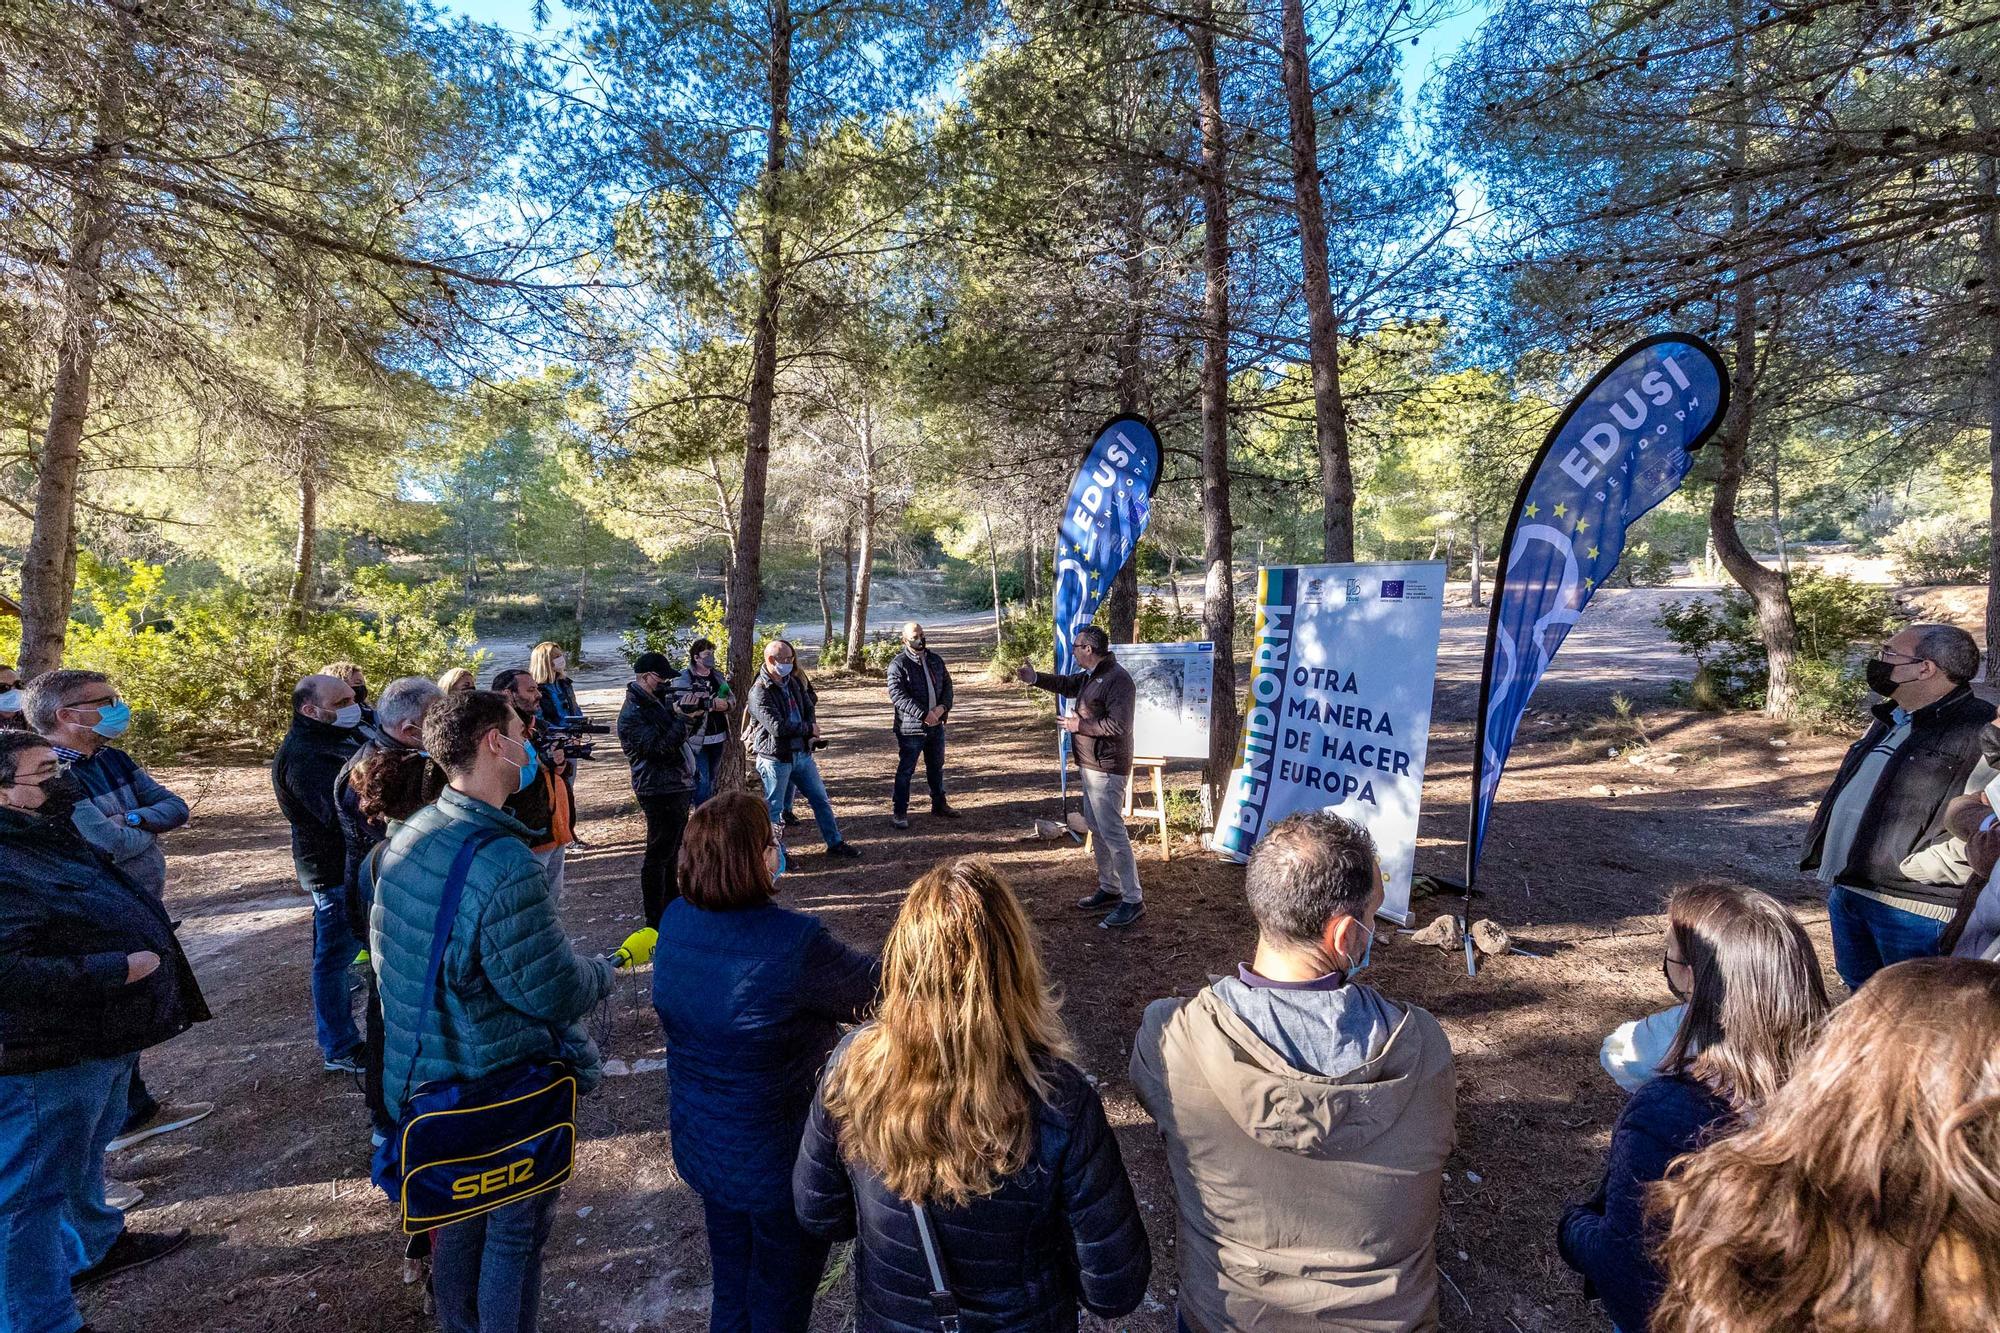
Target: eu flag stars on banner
[1623, 445]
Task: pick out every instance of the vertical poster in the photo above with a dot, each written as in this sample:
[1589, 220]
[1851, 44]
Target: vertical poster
[1340, 708]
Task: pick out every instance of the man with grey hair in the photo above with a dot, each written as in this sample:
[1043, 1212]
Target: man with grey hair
[1291, 1084]
[1101, 722]
[1877, 839]
[322, 738]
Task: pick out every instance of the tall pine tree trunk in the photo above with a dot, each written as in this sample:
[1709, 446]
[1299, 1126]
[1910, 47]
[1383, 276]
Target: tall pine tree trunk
[825, 603]
[993, 569]
[1989, 256]
[847, 583]
[1336, 471]
[305, 546]
[857, 614]
[48, 569]
[1478, 558]
[1218, 613]
[746, 571]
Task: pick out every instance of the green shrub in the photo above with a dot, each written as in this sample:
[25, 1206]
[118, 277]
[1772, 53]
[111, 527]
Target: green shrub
[876, 653]
[1027, 634]
[1731, 671]
[1644, 566]
[1158, 622]
[215, 668]
[970, 583]
[669, 626]
[1941, 548]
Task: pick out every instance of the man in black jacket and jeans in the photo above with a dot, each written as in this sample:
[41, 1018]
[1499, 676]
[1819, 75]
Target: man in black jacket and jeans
[920, 692]
[655, 733]
[1887, 903]
[324, 734]
[90, 975]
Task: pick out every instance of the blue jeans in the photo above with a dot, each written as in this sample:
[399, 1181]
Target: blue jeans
[928, 745]
[487, 1272]
[705, 759]
[801, 771]
[54, 1128]
[334, 948]
[765, 1268]
[1869, 936]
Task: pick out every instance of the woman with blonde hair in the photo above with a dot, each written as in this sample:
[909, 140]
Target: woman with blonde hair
[955, 1126]
[457, 681]
[1866, 1199]
[549, 665]
[1755, 1001]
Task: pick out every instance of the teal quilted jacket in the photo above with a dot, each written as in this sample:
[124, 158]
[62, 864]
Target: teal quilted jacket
[514, 989]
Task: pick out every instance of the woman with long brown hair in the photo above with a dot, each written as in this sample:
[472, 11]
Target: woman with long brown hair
[1755, 1000]
[1866, 1199]
[956, 1125]
[751, 996]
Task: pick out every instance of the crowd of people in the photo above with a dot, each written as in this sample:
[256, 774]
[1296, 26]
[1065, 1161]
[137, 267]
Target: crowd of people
[1782, 1162]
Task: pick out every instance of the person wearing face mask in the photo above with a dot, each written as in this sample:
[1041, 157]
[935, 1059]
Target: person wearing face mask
[782, 727]
[1753, 1004]
[324, 735]
[90, 975]
[1887, 900]
[357, 681]
[700, 680]
[1307, 1116]
[512, 989]
[656, 729]
[10, 699]
[123, 815]
[546, 804]
[920, 693]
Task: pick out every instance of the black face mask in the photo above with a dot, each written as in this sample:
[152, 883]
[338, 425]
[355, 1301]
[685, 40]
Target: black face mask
[1882, 676]
[917, 647]
[361, 694]
[61, 795]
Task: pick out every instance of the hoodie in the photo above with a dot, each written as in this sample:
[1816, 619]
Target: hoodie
[1306, 1200]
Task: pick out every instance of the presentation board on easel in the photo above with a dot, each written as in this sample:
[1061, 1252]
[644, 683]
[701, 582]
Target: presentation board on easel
[1175, 685]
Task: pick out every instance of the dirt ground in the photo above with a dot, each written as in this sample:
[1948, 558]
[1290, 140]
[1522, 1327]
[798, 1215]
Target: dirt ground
[1583, 847]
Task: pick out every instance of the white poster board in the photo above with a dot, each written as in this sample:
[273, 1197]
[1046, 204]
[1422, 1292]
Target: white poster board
[1339, 712]
[1175, 684]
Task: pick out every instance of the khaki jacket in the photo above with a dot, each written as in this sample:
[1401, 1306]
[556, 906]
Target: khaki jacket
[1305, 1202]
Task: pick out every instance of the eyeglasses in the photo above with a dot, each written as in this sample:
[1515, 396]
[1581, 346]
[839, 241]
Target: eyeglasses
[1898, 659]
[92, 703]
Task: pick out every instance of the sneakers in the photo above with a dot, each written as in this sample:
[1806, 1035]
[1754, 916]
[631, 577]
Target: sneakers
[166, 1118]
[899, 821]
[843, 851]
[342, 1064]
[132, 1249]
[1122, 915]
[121, 1196]
[1101, 901]
[945, 811]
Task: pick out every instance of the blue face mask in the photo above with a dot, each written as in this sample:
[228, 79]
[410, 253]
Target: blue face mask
[1366, 949]
[782, 668]
[113, 719]
[528, 769]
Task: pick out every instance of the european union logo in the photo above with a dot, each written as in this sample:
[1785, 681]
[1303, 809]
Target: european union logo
[1392, 590]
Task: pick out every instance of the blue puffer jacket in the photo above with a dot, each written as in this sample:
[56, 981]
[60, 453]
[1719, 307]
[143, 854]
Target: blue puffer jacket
[751, 1002]
[514, 989]
[1062, 1231]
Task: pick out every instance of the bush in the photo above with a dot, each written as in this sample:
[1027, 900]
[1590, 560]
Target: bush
[875, 653]
[215, 668]
[1731, 671]
[1027, 634]
[1644, 566]
[671, 625]
[1943, 548]
[1158, 622]
[970, 583]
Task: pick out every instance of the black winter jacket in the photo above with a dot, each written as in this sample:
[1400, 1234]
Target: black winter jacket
[303, 773]
[767, 725]
[1905, 813]
[1062, 1232]
[655, 736]
[422, 780]
[68, 918]
[906, 689]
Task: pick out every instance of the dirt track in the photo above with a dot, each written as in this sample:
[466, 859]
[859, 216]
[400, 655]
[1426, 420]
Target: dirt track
[291, 1236]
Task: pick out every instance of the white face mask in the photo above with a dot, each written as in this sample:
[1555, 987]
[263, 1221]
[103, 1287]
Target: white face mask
[347, 716]
[10, 701]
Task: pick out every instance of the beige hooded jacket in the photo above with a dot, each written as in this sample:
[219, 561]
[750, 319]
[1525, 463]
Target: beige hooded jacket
[1305, 1202]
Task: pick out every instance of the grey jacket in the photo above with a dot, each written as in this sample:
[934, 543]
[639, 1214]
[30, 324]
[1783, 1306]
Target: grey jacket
[513, 987]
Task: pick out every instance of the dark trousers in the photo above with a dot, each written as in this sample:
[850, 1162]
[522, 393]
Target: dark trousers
[373, 1034]
[139, 1103]
[765, 1268]
[659, 872]
[487, 1272]
[931, 746]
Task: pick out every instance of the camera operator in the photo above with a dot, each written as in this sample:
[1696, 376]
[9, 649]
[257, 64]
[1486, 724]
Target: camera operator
[656, 729]
[783, 731]
[545, 803]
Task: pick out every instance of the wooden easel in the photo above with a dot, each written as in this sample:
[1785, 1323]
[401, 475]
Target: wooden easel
[1158, 813]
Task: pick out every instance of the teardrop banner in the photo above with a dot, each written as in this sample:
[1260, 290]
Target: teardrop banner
[1623, 445]
[1102, 522]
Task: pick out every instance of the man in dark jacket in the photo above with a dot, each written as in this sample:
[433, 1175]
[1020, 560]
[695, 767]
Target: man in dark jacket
[1885, 813]
[548, 804]
[782, 727]
[656, 735]
[1101, 723]
[323, 736]
[700, 678]
[124, 812]
[920, 692]
[90, 975]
